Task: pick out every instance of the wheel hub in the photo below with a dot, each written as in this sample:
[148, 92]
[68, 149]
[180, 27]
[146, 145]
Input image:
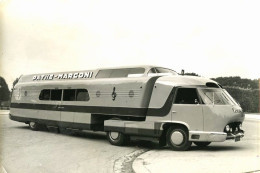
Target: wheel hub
[114, 135]
[32, 124]
[177, 138]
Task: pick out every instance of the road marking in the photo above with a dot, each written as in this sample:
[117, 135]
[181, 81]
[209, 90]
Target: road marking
[3, 169]
[124, 163]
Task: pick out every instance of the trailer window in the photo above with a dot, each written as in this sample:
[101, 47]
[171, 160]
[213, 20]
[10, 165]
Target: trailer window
[186, 96]
[82, 95]
[45, 95]
[118, 73]
[56, 95]
[69, 95]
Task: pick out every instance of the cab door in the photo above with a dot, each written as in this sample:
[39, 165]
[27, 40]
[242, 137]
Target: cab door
[187, 108]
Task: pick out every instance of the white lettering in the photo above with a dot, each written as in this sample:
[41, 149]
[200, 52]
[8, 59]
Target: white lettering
[65, 76]
[81, 75]
[60, 76]
[70, 76]
[75, 76]
[91, 73]
[88, 75]
[51, 76]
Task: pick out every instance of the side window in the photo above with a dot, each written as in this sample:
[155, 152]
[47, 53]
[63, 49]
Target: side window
[56, 95]
[119, 73]
[82, 95]
[186, 96]
[152, 70]
[69, 95]
[45, 95]
[104, 74]
[162, 70]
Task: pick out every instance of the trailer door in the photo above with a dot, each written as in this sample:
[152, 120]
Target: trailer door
[50, 100]
[187, 108]
[68, 100]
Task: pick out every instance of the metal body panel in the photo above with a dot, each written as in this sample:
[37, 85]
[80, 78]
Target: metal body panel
[190, 114]
[24, 112]
[82, 118]
[133, 92]
[216, 117]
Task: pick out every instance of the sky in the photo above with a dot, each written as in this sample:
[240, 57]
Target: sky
[210, 38]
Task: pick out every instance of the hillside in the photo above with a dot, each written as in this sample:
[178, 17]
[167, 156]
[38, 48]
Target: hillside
[245, 91]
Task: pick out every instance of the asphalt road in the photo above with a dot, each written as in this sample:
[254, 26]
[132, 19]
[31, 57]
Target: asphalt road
[23, 150]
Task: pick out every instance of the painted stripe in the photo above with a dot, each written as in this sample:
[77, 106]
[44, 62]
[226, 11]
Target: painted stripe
[165, 109]
[134, 131]
[141, 112]
[82, 126]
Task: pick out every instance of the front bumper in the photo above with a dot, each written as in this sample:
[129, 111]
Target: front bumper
[214, 136]
[207, 136]
[236, 136]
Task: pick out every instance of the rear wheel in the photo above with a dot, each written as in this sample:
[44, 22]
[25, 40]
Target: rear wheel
[202, 144]
[34, 126]
[178, 139]
[117, 138]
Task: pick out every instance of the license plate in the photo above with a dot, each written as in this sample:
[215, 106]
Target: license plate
[237, 139]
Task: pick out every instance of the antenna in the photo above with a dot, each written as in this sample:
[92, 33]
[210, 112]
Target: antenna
[182, 72]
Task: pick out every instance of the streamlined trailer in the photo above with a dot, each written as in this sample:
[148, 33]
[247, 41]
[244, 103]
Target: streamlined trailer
[143, 102]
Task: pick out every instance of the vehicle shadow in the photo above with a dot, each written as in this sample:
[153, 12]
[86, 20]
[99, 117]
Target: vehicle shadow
[149, 145]
[217, 148]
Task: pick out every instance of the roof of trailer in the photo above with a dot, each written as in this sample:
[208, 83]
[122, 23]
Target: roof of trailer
[29, 77]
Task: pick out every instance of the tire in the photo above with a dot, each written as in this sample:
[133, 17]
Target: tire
[202, 144]
[34, 126]
[178, 139]
[117, 138]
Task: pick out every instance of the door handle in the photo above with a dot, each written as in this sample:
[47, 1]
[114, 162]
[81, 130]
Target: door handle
[173, 111]
[60, 107]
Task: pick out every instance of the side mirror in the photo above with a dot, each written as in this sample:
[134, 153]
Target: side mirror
[196, 101]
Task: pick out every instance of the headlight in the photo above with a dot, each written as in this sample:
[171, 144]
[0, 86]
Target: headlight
[227, 128]
[240, 126]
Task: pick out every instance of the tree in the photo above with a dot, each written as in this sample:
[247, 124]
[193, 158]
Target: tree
[191, 74]
[245, 91]
[4, 91]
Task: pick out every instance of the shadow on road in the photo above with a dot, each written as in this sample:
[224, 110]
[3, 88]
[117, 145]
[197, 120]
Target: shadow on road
[216, 148]
[149, 145]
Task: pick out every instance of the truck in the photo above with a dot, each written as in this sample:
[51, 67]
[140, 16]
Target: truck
[147, 102]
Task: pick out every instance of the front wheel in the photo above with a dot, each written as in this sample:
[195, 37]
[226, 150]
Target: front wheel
[117, 138]
[202, 144]
[178, 139]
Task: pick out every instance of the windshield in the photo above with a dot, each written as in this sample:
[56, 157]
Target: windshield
[216, 96]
